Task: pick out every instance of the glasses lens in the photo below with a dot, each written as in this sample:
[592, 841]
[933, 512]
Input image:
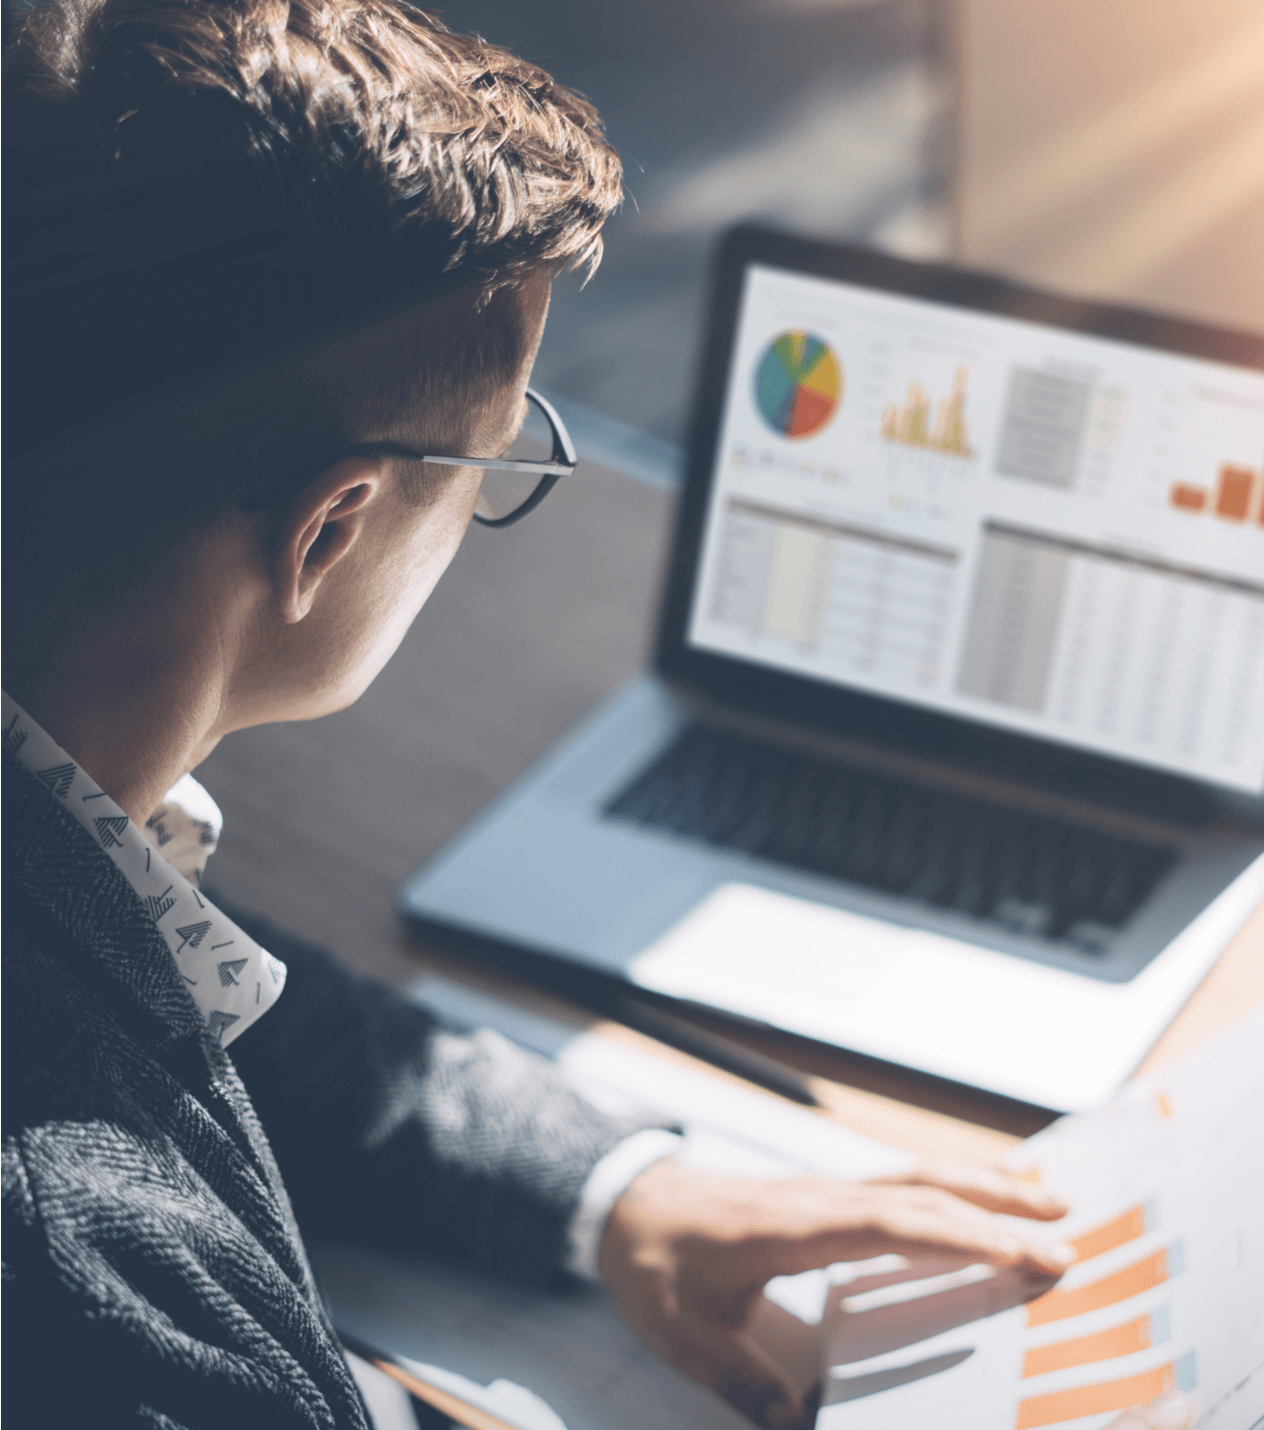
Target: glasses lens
[505, 492]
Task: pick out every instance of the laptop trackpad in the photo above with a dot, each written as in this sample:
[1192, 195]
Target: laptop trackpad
[906, 995]
[743, 945]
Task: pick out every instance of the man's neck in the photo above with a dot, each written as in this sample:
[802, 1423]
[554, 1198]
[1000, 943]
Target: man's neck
[136, 713]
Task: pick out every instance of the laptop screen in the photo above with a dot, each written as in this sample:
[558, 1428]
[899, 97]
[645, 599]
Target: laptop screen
[1042, 530]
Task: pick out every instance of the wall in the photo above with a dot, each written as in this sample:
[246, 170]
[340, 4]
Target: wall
[1116, 148]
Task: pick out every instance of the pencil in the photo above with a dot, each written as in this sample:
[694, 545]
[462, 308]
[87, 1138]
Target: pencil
[745, 1063]
[474, 1417]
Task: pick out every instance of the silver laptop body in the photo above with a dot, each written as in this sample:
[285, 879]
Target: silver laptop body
[953, 753]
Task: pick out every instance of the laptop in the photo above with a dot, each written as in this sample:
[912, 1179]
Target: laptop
[953, 749]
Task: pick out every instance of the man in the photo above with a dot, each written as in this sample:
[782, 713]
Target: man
[259, 253]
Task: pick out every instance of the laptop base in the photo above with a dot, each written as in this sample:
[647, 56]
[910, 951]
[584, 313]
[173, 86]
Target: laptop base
[545, 869]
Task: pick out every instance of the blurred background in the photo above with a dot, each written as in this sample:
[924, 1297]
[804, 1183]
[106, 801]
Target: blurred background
[819, 115]
[1106, 147]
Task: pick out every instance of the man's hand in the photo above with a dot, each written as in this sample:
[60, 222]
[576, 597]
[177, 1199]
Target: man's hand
[686, 1254]
[1170, 1411]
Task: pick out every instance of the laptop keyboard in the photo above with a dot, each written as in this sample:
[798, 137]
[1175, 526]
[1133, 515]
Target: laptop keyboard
[1032, 874]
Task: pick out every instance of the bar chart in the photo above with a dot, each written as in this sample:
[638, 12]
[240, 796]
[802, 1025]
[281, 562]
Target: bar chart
[1122, 1340]
[1111, 1297]
[1237, 495]
[909, 423]
[1094, 1400]
[1165, 1292]
[1150, 1271]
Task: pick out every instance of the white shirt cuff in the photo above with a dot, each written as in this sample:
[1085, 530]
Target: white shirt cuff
[606, 1183]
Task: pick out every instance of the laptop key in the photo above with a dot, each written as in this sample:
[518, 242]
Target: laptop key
[1036, 875]
[1021, 916]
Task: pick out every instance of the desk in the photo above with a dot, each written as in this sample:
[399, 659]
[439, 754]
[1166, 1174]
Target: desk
[530, 628]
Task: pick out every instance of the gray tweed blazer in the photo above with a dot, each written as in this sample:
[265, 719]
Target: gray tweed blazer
[154, 1185]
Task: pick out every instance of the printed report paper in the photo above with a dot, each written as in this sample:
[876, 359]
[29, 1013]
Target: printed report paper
[1167, 1188]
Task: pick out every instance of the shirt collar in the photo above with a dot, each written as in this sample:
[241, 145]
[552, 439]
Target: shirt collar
[231, 979]
[185, 828]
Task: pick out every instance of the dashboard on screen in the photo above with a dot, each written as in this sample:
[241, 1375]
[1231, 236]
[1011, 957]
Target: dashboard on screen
[1046, 531]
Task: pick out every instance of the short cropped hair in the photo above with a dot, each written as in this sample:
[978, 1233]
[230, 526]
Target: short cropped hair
[195, 188]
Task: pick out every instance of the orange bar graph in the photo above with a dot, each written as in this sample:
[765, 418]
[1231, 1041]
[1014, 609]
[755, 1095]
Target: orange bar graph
[1118, 1341]
[1094, 1399]
[1141, 1276]
[1188, 498]
[1127, 1227]
[909, 423]
[1233, 492]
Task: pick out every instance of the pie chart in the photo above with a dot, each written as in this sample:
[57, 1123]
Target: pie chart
[798, 383]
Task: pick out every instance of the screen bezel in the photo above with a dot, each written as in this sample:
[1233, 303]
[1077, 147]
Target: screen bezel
[860, 715]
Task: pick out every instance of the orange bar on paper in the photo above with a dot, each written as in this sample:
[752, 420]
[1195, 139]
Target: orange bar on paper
[1131, 1281]
[1233, 493]
[1188, 498]
[1093, 1399]
[1114, 1233]
[1118, 1341]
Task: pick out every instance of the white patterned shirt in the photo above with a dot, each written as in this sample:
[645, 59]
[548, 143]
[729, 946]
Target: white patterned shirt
[231, 979]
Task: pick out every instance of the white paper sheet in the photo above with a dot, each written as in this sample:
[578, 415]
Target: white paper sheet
[1167, 1186]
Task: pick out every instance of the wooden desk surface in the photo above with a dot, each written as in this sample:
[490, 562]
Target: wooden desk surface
[529, 628]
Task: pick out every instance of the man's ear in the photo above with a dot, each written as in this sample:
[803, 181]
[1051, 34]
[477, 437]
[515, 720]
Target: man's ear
[319, 528]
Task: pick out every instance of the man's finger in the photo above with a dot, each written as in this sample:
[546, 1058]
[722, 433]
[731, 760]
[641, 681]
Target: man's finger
[739, 1371]
[912, 1221]
[988, 1187]
[1170, 1411]
[931, 1230]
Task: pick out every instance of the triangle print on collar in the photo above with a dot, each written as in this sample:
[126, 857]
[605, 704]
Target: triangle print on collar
[231, 979]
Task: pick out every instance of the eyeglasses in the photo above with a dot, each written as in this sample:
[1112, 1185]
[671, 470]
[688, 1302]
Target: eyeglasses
[515, 483]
